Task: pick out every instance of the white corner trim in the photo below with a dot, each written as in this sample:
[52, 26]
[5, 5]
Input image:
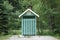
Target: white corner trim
[23, 13]
[34, 13]
[29, 10]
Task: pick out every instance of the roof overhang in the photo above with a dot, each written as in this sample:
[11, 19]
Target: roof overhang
[28, 10]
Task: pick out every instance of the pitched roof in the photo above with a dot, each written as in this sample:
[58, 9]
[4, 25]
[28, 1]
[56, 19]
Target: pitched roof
[30, 11]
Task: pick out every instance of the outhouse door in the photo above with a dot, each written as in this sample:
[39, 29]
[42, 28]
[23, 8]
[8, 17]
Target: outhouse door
[29, 25]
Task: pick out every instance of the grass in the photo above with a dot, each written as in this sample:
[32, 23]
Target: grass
[4, 37]
[15, 32]
[18, 32]
[47, 32]
[57, 36]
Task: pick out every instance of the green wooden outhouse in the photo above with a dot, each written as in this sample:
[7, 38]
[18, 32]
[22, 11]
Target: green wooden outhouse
[29, 22]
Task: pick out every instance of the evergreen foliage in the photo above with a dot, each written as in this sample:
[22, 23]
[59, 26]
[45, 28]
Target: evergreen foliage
[49, 11]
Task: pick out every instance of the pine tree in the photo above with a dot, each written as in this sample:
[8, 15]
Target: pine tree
[3, 19]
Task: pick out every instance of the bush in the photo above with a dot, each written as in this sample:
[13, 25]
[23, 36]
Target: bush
[14, 32]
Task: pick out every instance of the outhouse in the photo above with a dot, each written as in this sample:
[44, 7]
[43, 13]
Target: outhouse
[29, 22]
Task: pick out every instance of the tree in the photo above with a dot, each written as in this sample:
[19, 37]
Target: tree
[3, 19]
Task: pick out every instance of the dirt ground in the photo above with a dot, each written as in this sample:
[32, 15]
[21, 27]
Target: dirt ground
[19, 37]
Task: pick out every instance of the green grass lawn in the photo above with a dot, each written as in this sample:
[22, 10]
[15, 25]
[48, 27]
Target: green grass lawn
[4, 37]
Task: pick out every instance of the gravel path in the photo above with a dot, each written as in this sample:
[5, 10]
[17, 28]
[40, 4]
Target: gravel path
[16, 37]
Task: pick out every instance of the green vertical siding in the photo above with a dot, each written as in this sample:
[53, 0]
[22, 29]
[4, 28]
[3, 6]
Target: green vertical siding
[29, 26]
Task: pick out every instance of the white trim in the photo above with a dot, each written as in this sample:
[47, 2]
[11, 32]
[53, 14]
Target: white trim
[28, 10]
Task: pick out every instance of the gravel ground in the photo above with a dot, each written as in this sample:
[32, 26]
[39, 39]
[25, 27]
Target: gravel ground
[16, 37]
